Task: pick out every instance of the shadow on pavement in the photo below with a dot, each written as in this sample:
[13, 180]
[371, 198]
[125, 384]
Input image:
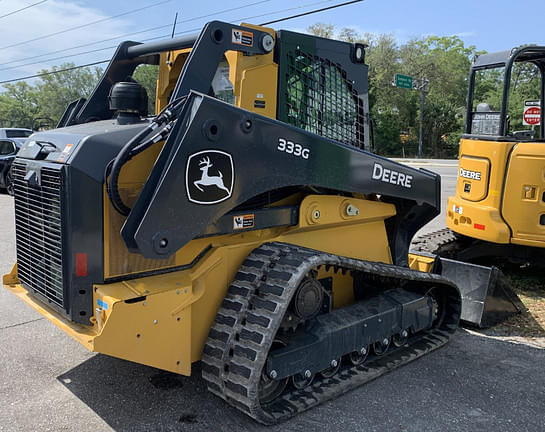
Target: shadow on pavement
[133, 397]
[456, 388]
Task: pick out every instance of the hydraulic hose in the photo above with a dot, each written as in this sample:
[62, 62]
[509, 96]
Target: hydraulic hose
[135, 146]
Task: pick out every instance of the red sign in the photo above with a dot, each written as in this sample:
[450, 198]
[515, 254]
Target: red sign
[532, 115]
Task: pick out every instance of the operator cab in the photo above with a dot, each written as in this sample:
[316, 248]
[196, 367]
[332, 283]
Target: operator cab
[506, 91]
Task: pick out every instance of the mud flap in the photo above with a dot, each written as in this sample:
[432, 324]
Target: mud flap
[487, 296]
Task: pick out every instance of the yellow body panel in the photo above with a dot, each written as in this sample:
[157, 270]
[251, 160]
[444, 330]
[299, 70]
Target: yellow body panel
[477, 221]
[507, 203]
[473, 176]
[117, 259]
[170, 67]
[342, 285]
[254, 79]
[481, 219]
[163, 320]
[523, 204]
[421, 263]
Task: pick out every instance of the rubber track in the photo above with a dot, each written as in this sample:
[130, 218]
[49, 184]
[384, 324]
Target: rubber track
[250, 316]
[434, 241]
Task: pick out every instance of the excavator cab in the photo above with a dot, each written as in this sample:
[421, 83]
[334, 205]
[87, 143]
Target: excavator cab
[498, 212]
[500, 194]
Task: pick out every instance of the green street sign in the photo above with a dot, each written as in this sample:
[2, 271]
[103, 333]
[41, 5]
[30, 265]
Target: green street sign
[403, 81]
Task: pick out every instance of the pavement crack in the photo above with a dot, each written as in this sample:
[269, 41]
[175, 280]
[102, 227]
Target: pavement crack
[23, 323]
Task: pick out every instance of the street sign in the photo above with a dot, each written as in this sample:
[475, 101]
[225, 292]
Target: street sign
[407, 82]
[532, 113]
[403, 81]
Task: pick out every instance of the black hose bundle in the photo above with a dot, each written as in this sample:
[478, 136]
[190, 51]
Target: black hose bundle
[135, 146]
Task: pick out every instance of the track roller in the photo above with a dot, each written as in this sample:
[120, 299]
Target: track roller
[380, 347]
[302, 380]
[331, 371]
[358, 357]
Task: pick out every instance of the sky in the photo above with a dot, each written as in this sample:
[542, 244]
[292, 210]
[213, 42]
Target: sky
[44, 33]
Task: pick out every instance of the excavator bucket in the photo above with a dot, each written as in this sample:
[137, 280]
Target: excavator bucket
[487, 296]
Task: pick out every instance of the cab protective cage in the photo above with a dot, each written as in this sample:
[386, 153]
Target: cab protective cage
[294, 53]
[530, 54]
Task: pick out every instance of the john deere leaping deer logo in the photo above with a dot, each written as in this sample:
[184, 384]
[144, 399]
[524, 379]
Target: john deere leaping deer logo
[208, 180]
[209, 177]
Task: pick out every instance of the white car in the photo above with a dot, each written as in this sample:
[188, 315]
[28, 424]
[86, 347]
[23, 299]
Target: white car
[15, 133]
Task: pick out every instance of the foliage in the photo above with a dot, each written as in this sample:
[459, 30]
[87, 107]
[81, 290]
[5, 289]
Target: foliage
[322, 30]
[19, 104]
[147, 76]
[444, 61]
[57, 90]
[49, 96]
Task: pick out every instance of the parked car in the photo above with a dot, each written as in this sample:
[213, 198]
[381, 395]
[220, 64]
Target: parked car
[15, 133]
[11, 140]
[8, 150]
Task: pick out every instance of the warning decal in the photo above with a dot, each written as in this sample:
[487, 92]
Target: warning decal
[243, 221]
[65, 153]
[242, 37]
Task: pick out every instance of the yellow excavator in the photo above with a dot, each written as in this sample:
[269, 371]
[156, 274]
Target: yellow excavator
[244, 225]
[498, 211]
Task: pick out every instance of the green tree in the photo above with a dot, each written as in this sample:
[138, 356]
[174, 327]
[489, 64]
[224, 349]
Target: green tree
[55, 91]
[391, 109]
[349, 35]
[322, 30]
[443, 60]
[19, 104]
[147, 76]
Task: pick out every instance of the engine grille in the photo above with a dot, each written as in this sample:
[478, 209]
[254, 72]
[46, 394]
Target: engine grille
[38, 212]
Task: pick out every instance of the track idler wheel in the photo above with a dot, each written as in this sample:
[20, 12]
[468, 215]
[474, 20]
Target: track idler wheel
[307, 300]
[381, 347]
[270, 387]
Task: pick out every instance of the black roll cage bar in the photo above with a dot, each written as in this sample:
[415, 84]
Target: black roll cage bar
[529, 54]
[209, 46]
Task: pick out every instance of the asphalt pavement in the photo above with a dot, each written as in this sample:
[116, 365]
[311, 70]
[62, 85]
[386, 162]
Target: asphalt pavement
[48, 382]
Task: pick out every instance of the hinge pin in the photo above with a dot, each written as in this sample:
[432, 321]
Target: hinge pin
[352, 210]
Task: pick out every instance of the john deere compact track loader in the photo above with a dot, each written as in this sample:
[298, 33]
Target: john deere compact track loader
[244, 225]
